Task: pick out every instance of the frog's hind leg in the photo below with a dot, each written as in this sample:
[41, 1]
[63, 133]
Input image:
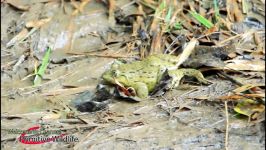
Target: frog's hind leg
[195, 73]
[177, 75]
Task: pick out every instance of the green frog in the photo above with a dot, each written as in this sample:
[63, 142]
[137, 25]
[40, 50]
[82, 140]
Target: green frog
[144, 75]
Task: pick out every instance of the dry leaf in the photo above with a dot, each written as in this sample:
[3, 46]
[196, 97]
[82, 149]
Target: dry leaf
[111, 18]
[156, 43]
[232, 55]
[237, 97]
[211, 30]
[17, 38]
[18, 4]
[229, 10]
[247, 36]
[52, 116]
[143, 110]
[234, 14]
[37, 23]
[249, 107]
[231, 97]
[244, 88]
[237, 12]
[80, 7]
[186, 53]
[255, 95]
[253, 65]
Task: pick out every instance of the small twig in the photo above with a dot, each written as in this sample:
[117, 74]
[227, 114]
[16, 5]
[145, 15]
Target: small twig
[193, 120]
[227, 125]
[124, 139]
[71, 121]
[174, 41]
[19, 62]
[78, 128]
[28, 76]
[101, 55]
[28, 35]
[169, 108]
[240, 84]
[229, 39]
[180, 107]
[230, 78]
[128, 4]
[69, 91]
[206, 35]
[10, 117]
[8, 139]
[26, 114]
[34, 88]
[3, 66]
[186, 53]
[81, 141]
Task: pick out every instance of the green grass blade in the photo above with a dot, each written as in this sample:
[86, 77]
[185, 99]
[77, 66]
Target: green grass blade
[147, 4]
[167, 19]
[244, 6]
[37, 80]
[161, 7]
[216, 10]
[178, 26]
[168, 15]
[201, 19]
[43, 67]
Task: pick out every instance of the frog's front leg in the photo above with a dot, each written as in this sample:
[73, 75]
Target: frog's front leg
[141, 89]
[177, 75]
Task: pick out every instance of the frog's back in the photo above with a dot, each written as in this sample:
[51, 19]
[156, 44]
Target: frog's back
[134, 66]
[162, 60]
[138, 71]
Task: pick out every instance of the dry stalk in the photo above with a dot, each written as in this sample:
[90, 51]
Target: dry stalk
[78, 145]
[227, 126]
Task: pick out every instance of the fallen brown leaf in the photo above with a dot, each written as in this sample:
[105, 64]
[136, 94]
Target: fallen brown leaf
[244, 88]
[51, 117]
[18, 4]
[238, 97]
[18, 37]
[37, 23]
[251, 65]
[186, 53]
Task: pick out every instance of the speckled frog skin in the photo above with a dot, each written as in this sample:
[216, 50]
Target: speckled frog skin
[144, 75]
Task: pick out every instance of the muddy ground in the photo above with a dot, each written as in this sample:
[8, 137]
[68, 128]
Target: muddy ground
[172, 121]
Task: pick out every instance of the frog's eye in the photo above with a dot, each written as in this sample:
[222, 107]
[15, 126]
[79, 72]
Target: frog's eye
[114, 73]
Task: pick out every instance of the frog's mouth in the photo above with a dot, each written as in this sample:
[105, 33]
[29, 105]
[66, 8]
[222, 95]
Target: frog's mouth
[127, 93]
[108, 77]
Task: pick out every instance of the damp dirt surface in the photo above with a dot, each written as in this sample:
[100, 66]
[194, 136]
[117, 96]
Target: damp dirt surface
[178, 120]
